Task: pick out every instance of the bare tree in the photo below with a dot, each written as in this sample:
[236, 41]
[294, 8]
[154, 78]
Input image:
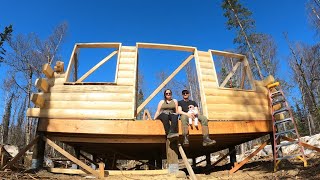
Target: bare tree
[28, 54]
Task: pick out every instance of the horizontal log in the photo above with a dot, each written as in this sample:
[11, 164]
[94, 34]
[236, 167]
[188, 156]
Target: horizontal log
[146, 127]
[110, 172]
[127, 60]
[235, 93]
[209, 84]
[59, 75]
[56, 81]
[87, 105]
[91, 89]
[128, 49]
[239, 116]
[126, 74]
[37, 99]
[42, 84]
[211, 78]
[205, 60]
[206, 65]
[227, 54]
[166, 47]
[262, 89]
[80, 113]
[203, 53]
[115, 96]
[207, 72]
[126, 81]
[127, 54]
[233, 108]
[127, 67]
[98, 45]
[47, 70]
[236, 100]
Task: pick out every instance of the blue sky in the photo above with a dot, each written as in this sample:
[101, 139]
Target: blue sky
[182, 22]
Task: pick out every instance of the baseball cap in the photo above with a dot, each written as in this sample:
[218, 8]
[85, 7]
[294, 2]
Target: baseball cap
[185, 91]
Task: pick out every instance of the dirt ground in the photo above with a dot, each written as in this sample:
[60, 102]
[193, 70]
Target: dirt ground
[260, 169]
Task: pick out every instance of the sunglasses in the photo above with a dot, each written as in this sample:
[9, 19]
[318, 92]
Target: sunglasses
[185, 93]
[168, 93]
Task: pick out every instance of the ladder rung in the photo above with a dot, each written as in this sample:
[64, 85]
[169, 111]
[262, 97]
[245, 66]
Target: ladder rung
[280, 111]
[287, 143]
[282, 121]
[285, 132]
[277, 102]
[288, 157]
[275, 93]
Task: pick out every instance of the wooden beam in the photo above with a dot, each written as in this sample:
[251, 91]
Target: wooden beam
[88, 159]
[42, 84]
[59, 67]
[227, 54]
[69, 156]
[101, 170]
[308, 146]
[243, 78]
[249, 73]
[186, 163]
[47, 70]
[21, 152]
[80, 113]
[165, 82]
[111, 172]
[146, 115]
[97, 66]
[239, 165]
[71, 62]
[37, 99]
[146, 127]
[223, 157]
[235, 67]
[99, 45]
[165, 47]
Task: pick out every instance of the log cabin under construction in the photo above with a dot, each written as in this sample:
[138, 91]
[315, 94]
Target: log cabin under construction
[100, 118]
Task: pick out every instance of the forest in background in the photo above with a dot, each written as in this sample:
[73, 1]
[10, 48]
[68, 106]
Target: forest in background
[24, 55]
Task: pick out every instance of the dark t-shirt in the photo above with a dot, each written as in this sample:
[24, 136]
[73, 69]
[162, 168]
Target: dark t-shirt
[184, 105]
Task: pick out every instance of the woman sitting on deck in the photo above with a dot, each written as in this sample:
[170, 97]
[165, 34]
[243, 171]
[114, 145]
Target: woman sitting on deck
[167, 111]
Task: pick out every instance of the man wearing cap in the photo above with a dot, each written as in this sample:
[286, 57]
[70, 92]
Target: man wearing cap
[183, 110]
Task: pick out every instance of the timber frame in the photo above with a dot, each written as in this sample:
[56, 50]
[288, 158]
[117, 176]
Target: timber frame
[99, 118]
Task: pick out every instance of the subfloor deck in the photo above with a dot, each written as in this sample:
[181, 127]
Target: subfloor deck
[145, 139]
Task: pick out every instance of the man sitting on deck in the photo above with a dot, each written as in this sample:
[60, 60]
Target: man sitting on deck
[183, 110]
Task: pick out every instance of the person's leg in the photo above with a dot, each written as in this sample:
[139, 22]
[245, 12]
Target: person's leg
[205, 131]
[185, 129]
[173, 131]
[165, 121]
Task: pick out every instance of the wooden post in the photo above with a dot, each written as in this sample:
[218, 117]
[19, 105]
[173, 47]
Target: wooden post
[172, 156]
[233, 156]
[77, 153]
[158, 160]
[101, 170]
[208, 159]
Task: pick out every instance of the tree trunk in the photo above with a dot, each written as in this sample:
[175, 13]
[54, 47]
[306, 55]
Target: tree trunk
[6, 119]
[28, 125]
[247, 41]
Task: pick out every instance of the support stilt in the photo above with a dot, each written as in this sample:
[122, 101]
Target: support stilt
[233, 156]
[172, 156]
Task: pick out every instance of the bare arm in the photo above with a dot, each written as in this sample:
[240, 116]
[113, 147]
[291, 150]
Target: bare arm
[158, 109]
[176, 103]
